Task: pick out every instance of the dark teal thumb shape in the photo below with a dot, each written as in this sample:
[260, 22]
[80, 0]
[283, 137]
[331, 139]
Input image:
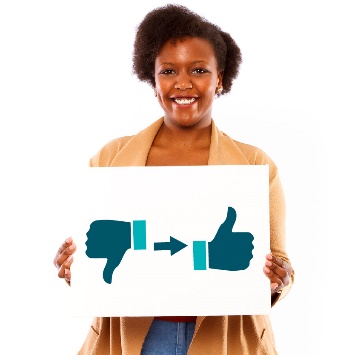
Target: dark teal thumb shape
[228, 224]
[112, 264]
[108, 239]
[230, 250]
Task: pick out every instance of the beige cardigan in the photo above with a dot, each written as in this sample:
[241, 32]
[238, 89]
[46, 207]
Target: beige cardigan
[214, 335]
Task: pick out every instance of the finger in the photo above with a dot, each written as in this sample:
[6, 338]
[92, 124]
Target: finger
[276, 284]
[63, 254]
[69, 262]
[285, 265]
[67, 274]
[272, 275]
[281, 263]
[276, 288]
[64, 271]
[278, 270]
[61, 272]
[282, 268]
[66, 243]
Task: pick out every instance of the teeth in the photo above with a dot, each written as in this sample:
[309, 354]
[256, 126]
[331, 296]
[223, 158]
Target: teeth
[185, 101]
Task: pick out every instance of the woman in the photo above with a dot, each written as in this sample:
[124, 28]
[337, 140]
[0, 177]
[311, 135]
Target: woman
[188, 62]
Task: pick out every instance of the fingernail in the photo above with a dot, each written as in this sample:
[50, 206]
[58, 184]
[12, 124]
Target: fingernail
[69, 258]
[268, 263]
[269, 256]
[267, 270]
[72, 247]
[69, 240]
[66, 271]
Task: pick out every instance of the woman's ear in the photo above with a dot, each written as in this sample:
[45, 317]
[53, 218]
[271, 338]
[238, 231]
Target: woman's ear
[220, 78]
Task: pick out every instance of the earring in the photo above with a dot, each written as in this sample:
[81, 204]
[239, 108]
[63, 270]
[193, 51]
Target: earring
[155, 92]
[219, 90]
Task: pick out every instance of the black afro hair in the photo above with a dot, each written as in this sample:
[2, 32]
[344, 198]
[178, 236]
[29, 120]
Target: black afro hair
[173, 22]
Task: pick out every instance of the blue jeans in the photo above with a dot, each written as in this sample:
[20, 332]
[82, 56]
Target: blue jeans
[168, 338]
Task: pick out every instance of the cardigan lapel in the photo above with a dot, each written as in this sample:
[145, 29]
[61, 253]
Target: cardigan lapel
[135, 152]
[223, 150]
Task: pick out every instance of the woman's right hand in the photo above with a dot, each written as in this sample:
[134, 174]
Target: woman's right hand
[64, 258]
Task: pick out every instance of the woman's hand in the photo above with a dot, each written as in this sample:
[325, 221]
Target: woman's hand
[278, 272]
[64, 258]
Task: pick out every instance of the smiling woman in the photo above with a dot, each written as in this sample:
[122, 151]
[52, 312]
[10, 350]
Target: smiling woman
[189, 62]
[186, 81]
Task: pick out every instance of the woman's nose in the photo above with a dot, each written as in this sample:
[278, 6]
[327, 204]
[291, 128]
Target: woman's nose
[183, 82]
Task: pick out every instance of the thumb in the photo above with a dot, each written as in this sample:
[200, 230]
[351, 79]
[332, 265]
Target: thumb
[111, 264]
[228, 224]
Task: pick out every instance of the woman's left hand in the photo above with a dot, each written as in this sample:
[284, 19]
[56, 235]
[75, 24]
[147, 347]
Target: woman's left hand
[278, 272]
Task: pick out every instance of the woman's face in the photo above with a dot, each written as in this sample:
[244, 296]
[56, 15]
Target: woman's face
[186, 79]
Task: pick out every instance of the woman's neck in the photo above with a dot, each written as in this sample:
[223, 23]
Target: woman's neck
[180, 146]
[176, 137]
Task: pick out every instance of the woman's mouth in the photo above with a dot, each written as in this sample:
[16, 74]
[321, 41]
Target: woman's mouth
[184, 101]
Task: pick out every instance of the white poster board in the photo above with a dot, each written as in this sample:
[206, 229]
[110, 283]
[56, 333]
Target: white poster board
[144, 236]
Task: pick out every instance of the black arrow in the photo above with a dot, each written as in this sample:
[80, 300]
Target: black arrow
[174, 246]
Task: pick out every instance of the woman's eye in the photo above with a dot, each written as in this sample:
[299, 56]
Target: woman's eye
[199, 71]
[167, 71]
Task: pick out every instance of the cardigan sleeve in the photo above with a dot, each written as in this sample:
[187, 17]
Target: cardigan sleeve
[277, 211]
[277, 208]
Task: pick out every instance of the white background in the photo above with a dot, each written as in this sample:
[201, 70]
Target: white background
[66, 89]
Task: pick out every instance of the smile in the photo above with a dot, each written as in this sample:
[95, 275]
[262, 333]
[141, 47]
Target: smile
[184, 101]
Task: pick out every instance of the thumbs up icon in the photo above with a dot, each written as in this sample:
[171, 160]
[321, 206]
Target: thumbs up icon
[228, 250]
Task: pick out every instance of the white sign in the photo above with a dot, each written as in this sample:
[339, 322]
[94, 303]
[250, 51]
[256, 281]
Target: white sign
[171, 241]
